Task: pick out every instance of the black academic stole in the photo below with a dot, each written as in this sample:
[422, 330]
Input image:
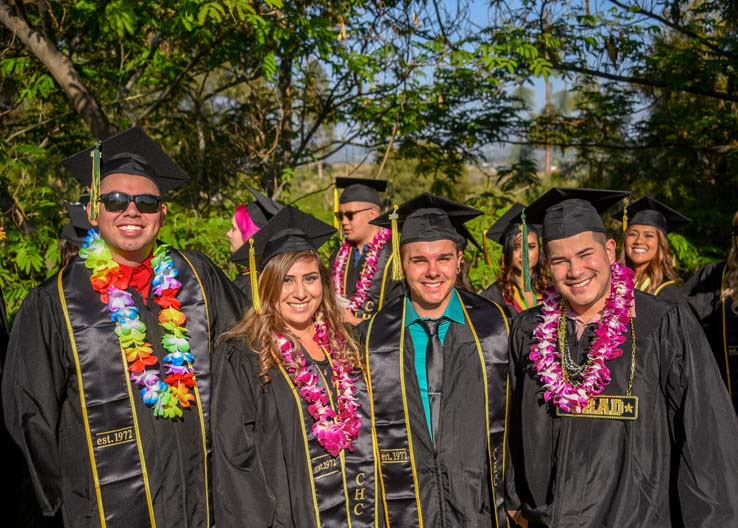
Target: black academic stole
[106, 393]
[380, 281]
[385, 372]
[342, 487]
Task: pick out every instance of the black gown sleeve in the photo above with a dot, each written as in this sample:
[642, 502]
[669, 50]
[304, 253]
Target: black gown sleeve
[702, 291]
[242, 496]
[33, 390]
[703, 425]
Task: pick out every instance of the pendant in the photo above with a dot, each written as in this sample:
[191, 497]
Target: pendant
[608, 407]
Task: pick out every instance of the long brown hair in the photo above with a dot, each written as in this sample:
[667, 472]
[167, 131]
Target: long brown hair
[730, 288]
[506, 279]
[257, 330]
[659, 269]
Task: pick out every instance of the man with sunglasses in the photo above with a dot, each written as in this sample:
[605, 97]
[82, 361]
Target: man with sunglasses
[107, 382]
[360, 267]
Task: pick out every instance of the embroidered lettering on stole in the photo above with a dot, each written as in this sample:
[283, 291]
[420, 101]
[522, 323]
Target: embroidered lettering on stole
[343, 487]
[385, 372]
[117, 461]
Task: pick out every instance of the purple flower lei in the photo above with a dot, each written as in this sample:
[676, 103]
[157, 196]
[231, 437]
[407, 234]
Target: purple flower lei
[370, 267]
[333, 430]
[573, 397]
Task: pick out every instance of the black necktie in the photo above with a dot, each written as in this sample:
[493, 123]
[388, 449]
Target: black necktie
[434, 371]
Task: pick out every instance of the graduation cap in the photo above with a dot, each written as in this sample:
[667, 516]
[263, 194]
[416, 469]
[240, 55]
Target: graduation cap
[76, 230]
[426, 218]
[130, 152]
[288, 231]
[509, 224]
[360, 190]
[566, 212]
[261, 210]
[649, 211]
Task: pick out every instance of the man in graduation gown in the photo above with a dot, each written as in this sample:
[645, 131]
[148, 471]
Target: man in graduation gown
[106, 386]
[623, 420]
[361, 274]
[437, 372]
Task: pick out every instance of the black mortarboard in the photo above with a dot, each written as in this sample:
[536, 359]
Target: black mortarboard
[360, 190]
[76, 230]
[509, 224]
[649, 211]
[427, 217]
[262, 209]
[566, 212]
[289, 230]
[130, 152]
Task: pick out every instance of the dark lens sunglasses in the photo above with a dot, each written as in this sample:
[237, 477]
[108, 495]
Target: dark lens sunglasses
[117, 202]
[349, 215]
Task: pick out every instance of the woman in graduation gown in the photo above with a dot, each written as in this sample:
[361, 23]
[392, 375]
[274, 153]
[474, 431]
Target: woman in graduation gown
[508, 290]
[246, 221]
[645, 246]
[712, 293]
[292, 437]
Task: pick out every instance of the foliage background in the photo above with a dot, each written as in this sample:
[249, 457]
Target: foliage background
[639, 95]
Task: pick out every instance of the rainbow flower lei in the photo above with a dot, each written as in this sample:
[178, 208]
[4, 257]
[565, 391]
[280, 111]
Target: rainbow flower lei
[573, 397]
[370, 267]
[333, 430]
[168, 397]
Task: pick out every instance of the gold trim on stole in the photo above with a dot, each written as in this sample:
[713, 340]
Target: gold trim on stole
[407, 415]
[83, 405]
[664, 285]
[305, 441]
[375, 442]
[197, 391]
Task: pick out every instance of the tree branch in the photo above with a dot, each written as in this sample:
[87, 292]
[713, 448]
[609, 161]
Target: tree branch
[62, 70]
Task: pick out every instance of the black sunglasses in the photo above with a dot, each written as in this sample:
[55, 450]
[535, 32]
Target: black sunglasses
[117, 202]
[349, 215]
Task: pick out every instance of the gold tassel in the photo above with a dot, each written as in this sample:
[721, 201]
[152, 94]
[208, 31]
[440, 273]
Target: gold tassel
[256, 301]
[484, 247]
[96, 156]
[336, 223]
[395, 257]
[625, 220]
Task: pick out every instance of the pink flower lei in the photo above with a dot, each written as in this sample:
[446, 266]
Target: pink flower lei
[333, 430]
[370, 267]
[573, 397]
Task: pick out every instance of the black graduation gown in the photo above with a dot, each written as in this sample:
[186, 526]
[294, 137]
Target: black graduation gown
[44, 415]
[261, 476]
[392, 288]
[669, 291]
[243, 282]
[702, 293]
[675, 465]
[454, 474]
[494, 294]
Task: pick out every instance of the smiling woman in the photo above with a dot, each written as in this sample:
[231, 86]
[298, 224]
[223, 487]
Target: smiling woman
[290, 409]
[646, 246]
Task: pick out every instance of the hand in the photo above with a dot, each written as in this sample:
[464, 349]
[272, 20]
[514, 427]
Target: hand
[517, 517]
[350, 318]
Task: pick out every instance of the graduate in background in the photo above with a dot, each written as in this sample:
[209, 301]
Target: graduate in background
[246, 222]
[712, 293]
[621, 421]
[73, 234]
[645, 248]
[106, 386]
[508, 290]
[361, 274]
[436, 359]
[292, 435]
